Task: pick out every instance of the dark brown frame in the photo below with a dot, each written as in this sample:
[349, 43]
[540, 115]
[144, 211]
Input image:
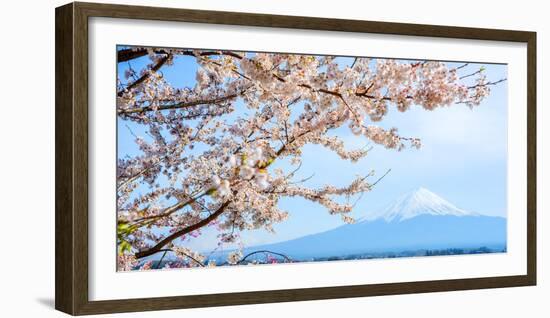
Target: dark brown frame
[71, 158]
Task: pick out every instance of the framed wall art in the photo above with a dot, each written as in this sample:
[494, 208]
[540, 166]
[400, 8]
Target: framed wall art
[220, 158]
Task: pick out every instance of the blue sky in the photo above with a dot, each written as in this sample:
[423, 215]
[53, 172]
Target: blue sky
[462, 159]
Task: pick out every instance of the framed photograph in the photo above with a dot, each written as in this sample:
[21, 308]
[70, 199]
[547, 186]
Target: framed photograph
[220, 158]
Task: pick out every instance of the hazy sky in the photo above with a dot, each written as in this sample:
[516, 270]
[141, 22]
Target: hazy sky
[462, 159]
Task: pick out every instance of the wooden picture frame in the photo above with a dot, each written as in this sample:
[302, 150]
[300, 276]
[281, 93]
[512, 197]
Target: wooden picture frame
[71, 108]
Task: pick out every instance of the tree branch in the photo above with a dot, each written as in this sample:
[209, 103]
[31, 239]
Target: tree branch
[178, 105]
[288, 259]
[183, 231]
[170, 210]
[487, 84]
[162, 257]
[130, 54]
[186, 104]
[134, 177]
[145, 76]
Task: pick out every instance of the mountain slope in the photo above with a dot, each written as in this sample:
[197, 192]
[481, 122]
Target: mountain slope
[418, 220]
[419, 202]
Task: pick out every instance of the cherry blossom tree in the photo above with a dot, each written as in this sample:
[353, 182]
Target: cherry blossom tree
[216, 162]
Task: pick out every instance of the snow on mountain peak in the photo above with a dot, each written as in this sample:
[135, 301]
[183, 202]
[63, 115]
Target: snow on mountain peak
[419, 202]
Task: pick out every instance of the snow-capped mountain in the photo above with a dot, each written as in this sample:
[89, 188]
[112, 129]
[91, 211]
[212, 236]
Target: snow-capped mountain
[418, 202]
[420, 220]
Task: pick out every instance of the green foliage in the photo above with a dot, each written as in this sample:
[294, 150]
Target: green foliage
[123, 230]
[124, 246]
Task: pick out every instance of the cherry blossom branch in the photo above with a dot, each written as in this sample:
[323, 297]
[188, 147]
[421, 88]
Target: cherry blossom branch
[130, 54]
[135, 177]
[166, 250]
[170, 210]
[487, 83]
[186, 104]
[201, 264]
[180, 105]
[188, 229]
[471, 74]
[176, 207]
[146, 75]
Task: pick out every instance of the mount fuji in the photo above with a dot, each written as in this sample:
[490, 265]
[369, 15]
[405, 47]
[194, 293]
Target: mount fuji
[419, 202]
[419, 220]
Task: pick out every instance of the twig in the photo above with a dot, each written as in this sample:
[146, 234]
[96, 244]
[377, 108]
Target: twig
[303, 180]
[162, 257]
[194, 259]
[288, 259]
[353, 64]
[472, 74]
[379, 179]
[488, 83]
